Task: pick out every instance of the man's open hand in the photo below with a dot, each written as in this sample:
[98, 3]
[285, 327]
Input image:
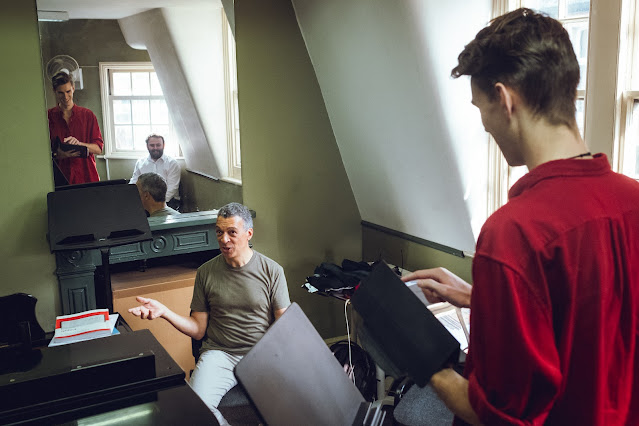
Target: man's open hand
[149, 308]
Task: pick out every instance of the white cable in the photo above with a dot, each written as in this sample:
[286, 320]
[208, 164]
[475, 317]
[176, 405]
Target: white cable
[351, 372]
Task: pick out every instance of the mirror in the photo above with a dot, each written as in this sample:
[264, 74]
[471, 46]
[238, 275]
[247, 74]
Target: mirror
[91, 41]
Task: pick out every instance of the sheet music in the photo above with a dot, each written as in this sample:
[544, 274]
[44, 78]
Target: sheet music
[451, 319]
[100, 330]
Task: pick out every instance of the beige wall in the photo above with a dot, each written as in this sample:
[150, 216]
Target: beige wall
[89, 42]
[200, 193]
[410, 255]
[25, 164]
[292, 171]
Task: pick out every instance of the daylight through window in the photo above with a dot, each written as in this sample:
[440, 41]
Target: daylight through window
[134, 107]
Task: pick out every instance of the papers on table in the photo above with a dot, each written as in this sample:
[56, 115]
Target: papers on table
[83, 326]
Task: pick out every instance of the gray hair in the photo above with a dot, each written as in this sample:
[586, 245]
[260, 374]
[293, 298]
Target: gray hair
[239, 210]
[154, 184]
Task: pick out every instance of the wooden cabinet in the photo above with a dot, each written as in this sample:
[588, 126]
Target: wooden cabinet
[171, 285]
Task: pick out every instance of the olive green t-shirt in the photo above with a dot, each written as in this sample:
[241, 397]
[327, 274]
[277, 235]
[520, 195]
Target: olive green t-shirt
[240, 301]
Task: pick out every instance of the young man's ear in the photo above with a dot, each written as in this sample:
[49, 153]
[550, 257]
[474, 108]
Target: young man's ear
[506, 98]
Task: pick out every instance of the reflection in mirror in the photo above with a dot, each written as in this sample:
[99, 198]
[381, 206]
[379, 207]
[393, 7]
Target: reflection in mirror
[73, 130]
[206, 157]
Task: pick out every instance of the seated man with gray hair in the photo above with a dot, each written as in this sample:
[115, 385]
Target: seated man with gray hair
[237, 296]
[152, 189]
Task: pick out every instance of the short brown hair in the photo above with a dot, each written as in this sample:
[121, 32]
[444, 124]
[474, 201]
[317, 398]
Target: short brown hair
[60, 79]
[531, 53]
[153, 135]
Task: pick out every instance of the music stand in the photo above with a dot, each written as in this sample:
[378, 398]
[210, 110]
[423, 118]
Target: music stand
[97, 216]
[59, 179]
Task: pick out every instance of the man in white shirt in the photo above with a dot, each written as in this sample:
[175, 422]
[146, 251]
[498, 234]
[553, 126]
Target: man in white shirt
[162, 164]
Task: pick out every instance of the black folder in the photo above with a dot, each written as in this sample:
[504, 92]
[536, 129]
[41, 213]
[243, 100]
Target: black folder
[402, 326]
[57, 143]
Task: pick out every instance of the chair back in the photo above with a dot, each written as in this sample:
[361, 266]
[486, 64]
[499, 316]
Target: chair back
[19, 327]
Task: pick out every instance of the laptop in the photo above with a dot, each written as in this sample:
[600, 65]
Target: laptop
[293, 378]
[405, 331]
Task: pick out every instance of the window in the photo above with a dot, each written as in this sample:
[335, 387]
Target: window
[232, 108]
[133, 107]
[627, 149]
[574, 15]
[629, 155]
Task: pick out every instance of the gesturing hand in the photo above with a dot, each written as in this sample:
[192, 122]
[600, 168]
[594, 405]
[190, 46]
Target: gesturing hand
[149, 308]
[441, 285]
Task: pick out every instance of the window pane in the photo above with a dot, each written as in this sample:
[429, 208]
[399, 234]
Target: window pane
[238, 155]
[141, 112]
[121, 84]
[137, 108]
[162, 131]
[578, 32]
[140, 83]
[123, 137]
[140, 133]
[122, 112]
[159, 112]
[156, 89]
[550, 7]
[630, 165]
[580, 115]
[516, 173]
[577, 8]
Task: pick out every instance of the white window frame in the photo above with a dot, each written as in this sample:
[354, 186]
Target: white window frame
[628, 81]
[500, 175]
[629, 98]
[232, 108]
[106, 68]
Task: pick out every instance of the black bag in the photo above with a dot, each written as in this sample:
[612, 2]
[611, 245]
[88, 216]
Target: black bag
[329, 277]
[362, 364]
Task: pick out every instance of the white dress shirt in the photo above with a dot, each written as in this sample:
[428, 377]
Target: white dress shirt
[165, 166]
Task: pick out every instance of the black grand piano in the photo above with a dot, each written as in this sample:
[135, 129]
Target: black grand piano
[124, 379]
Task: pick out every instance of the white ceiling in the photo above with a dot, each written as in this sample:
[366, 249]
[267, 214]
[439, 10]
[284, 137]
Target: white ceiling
[114, 9]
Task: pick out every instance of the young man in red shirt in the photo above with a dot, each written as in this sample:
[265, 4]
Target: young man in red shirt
[555, 295]
[73, 125]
